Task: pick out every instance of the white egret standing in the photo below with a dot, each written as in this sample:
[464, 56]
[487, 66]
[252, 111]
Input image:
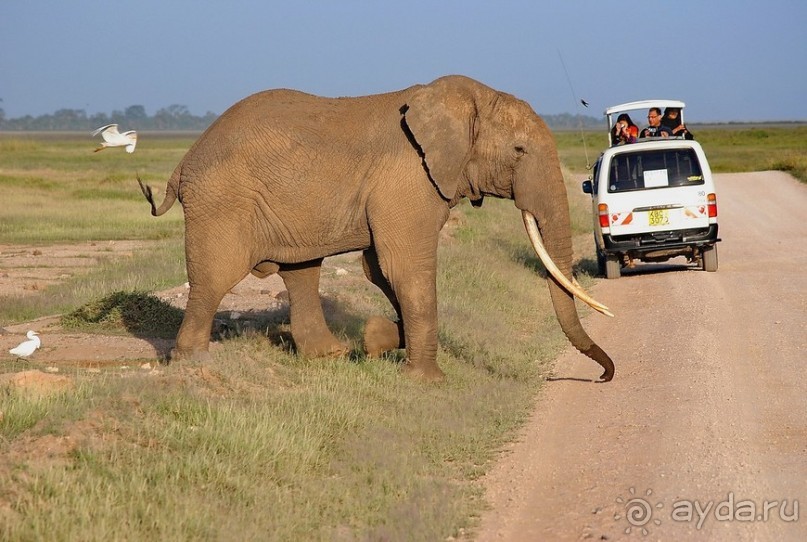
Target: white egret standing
[26, 348]
[113, 138]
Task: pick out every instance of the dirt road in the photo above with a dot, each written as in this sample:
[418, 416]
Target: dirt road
[702, 435]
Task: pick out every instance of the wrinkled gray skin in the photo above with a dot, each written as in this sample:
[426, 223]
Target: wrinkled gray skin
[283, 179]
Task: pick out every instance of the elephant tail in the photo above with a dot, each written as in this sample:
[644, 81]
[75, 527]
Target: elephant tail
[170, 194]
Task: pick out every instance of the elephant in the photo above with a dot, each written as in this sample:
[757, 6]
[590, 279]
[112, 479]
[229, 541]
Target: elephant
[283, 179]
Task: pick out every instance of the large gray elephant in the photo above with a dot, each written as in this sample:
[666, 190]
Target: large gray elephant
[283, 179]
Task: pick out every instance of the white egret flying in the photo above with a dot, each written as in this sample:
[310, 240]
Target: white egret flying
[26, 348]
[113, 138]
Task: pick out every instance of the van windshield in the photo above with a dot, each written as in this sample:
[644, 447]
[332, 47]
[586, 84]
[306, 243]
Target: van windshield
[644, 170]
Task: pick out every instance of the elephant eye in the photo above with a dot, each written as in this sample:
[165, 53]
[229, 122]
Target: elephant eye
[520, 150]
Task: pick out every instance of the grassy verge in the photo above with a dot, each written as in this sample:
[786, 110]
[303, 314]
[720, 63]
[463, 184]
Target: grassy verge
[729, 149]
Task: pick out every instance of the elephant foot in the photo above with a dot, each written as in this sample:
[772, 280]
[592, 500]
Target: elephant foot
[381, 335]
[322, 348]
[198, 356]
[424, 372]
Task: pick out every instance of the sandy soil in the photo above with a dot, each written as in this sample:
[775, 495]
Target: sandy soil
[708, 409]
[25, 270]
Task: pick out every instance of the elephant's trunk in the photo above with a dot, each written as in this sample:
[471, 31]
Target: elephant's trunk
[555, 251]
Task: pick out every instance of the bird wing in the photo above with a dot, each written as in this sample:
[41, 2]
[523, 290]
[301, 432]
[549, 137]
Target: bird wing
[131, 137]
[102, 128]
[112, 135]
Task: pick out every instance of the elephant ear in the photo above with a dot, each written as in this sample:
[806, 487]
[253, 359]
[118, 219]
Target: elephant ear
[440, 117]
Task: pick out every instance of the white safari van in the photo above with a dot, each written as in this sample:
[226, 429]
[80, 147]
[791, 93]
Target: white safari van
[652, 200]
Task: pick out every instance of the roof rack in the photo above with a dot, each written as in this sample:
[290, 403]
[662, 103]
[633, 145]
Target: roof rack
[644, 104]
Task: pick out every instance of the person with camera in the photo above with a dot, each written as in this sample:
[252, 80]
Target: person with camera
[624, 131]
[655, 128]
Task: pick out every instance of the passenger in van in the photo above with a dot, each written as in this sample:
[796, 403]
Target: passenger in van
[655, 129]
[624, 131]
[672, 120]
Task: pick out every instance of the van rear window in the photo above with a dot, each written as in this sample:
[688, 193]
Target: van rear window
[645, 170]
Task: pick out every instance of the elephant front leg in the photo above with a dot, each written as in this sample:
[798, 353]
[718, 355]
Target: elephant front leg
[418, 298]
[308, 328]
[412, 285]
[405, 242]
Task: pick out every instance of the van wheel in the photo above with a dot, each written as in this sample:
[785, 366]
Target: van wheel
[600, 264]
[709, 258]
[613, 267]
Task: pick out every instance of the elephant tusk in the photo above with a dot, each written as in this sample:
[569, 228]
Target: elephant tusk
[537, 243]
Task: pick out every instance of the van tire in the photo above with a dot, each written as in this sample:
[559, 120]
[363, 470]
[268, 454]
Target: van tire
[613, 267]
[600, 263]
[709, 258]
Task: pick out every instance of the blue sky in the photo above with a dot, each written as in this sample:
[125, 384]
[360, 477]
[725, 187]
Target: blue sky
[730, 60]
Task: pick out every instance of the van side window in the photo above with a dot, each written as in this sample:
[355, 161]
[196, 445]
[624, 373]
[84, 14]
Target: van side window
[654, 169]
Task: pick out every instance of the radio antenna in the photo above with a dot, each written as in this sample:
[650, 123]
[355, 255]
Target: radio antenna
[577, 104]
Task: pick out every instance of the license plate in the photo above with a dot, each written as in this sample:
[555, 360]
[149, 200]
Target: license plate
[658, 217]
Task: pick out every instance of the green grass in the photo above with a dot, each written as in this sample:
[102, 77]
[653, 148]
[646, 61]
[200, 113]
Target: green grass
[259, 444]
[137, 313]
[757, 149]
[730, 149]
[56, 190]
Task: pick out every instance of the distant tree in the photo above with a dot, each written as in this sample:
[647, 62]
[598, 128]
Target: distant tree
[117, 117]
[99, 119]
[179, 111]
[135, 114]
[68, 119]
[568, 121]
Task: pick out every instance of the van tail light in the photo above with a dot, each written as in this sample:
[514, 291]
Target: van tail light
[711, 205]
[602, 210]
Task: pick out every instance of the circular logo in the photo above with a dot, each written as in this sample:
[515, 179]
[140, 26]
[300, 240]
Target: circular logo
[638, 511]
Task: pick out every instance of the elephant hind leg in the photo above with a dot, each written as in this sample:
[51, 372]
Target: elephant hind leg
[208, 286]
[381, 334]
[308, 328]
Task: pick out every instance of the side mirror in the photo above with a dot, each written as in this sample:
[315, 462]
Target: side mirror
[587, 188]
